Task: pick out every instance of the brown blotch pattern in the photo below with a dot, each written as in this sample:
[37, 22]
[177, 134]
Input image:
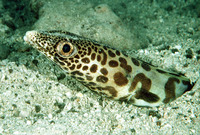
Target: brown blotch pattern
[105, 47]
[186, 82]
[93, 68]
[104, 71]
[100, 51]
[143, 92]
[102, 79]
[124, 65]
[79, 52]
[57, 57]
[88, 77]
[117, 52]
[146, 82]
[71, 59]
[190, 86]
[60, 58]
[111, 54]
[66, 68]
[92, 84]
[80, 79]
[77, 73]
[72, 67]
[89, 50]
[146, 66]
[79, 47]
[170, 89]
[62, 63]
[146, 96]
[125, 98]
[79, 66]
[111, 90]
[103, 62]
[68, 63]
[98, 57]
[85, 60]
[93, 56]
[135, 62]
[113, 63]
[120, 79]
[95, 49]
[85, 68]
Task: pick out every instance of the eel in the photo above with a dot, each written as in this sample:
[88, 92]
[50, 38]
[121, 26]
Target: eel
[109, 71]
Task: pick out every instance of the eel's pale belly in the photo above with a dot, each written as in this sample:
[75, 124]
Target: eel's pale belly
[109, 71]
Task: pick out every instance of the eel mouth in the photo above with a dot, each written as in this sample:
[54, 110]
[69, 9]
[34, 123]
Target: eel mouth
[30, 37]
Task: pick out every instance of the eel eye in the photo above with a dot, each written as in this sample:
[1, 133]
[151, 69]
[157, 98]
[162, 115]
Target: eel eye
[65, 49]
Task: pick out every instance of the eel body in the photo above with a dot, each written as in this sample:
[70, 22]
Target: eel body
[109, 71]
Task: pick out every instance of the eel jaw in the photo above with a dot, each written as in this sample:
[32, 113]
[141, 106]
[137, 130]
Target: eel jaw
[30, 37]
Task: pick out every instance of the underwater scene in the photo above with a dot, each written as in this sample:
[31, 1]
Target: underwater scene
[99, 67]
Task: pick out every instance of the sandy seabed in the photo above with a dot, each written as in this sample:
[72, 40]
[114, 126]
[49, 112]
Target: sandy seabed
[37, 97]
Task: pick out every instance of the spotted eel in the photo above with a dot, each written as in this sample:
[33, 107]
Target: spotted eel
[109, 71]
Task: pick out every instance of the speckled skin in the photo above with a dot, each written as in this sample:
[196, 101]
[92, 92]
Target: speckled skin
[109, 71]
